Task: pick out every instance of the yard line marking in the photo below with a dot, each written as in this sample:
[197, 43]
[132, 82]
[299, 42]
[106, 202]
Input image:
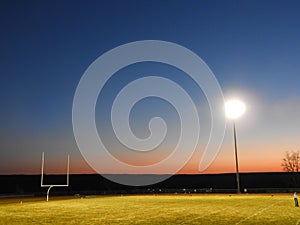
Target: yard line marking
[165, 213]
[168, 212]
[255, 214]
[214, 212]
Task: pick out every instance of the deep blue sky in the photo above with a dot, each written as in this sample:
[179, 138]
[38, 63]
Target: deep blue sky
[253, 48]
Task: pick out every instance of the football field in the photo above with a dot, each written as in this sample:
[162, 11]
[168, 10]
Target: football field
[152, 209]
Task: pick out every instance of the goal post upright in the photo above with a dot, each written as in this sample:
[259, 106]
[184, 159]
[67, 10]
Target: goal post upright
[68, 170]
[49, 186]
[42, 173]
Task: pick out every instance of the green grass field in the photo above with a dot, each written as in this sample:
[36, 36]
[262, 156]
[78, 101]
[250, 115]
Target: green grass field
[151, 209]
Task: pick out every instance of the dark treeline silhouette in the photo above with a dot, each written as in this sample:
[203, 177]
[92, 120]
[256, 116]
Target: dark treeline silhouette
[96, 184]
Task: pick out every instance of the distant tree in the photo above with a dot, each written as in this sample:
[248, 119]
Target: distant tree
[291, 161]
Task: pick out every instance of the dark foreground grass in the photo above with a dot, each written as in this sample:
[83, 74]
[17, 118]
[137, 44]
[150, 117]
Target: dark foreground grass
[151, 209]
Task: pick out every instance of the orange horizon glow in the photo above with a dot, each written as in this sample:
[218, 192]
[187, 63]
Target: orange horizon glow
[223, 163]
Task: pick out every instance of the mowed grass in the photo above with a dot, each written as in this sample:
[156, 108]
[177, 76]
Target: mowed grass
[152, 209]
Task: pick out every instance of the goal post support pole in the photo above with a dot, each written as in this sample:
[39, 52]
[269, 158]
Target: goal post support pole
[53, 185]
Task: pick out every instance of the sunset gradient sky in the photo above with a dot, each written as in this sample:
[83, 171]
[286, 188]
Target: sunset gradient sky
[252, 47]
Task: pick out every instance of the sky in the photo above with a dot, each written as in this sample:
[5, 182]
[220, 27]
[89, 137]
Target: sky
[252, 47]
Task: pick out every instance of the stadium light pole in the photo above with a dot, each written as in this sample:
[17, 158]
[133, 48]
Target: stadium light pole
[233, 110]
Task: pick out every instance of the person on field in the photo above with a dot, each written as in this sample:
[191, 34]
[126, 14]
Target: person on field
[296, 199]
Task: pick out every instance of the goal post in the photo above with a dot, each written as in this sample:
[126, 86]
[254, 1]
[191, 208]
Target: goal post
[49, 186]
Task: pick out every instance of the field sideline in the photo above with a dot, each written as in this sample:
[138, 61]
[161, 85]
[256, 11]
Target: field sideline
[152, 209]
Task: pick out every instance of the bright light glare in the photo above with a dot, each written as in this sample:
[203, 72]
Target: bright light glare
[234, 109]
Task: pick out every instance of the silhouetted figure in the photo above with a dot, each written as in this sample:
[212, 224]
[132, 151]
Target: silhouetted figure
[296, 199]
